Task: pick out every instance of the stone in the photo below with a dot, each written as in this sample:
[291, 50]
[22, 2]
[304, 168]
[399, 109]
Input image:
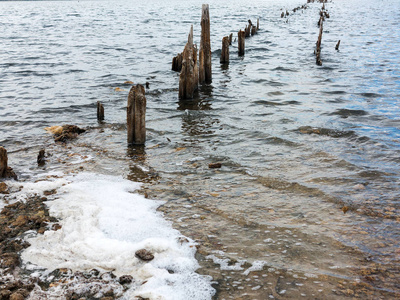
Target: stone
[125, 279]
[144, 254]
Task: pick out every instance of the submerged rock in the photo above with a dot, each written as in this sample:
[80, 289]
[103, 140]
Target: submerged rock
[65, 132]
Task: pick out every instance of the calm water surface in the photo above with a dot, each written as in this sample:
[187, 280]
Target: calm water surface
[297, 142]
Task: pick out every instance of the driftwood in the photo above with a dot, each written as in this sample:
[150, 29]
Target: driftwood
[5, 170]
[177, 63]
[205, 74]
[189, 76]
[241, 38]
[225, 51]
[136, 115]
[100, 111]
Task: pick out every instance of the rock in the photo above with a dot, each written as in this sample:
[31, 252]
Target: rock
[20, 221]
[65, 133]
[125, 279]
[359, 186]
[3, 188]
[16, 296]
[215, 165]
[144, 254]
[9, 260]
[56, 227]
[5, 294]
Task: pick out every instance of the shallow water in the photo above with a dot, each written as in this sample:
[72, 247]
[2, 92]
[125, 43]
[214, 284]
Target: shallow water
[297, 142]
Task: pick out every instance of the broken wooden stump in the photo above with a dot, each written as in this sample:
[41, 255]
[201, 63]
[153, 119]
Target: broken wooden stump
[230, 38]
[5, 170]
[136, 115]
[100, 111]
[225, 51]
[189, 76]
[205, 74]
[247, 31]
[241, 38]
[282, 15]
[177, 63]
[253, 30]
[41, 160]
[337, 45]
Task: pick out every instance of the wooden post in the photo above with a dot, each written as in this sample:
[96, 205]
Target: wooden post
[3, 162]
[337, 45]
[230, 38]
[258, 24]
[318, 50]
[253, 30]
[41, 160]
[5, 170]
[225, 51]
[177, 63]
[136, 115]
[247, 31]
[205, 47]
[241, 38]
[100, 111]
[189, 77]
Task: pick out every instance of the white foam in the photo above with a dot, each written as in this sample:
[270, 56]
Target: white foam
[103, 225]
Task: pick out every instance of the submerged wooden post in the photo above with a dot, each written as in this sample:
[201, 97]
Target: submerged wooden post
[189, 76]
[337, 45]
[100, 111]
[136, 115]
[225, 51]
[5, 170]
[3, 162]
[241, 38]
[318, 50]
[230, 38]
[247, 31]
[253, 30]
[258, 24]
[205, 47]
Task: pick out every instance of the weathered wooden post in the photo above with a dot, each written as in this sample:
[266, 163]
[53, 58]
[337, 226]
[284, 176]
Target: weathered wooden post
[253, 30]
[41, 160]
[247, 31]
[337, 45]
[136, 115]
[225, 51]
[230, 38]
[318, 51]
[258, 24]
[205, 47]
[100, 111]
[5, 170]
[3, 162]
[177, 63]
[241, 38]
[189, 76]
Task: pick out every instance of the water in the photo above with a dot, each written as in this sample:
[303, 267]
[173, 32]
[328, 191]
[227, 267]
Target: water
[297, 142]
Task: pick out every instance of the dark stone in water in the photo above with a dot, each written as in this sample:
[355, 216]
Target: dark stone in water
[215, 165]
[41, 160]
[69, 132]
[144, 254]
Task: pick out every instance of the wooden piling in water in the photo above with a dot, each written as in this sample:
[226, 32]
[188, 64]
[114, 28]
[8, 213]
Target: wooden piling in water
[230, 38]
[5, 170]
[205, 74]
[189, 76]
[337, 45]
[241, 38]
[136, 115]
[225, 51]
[253, 30]
[247, 31]
[258, 24]
[318, 46]
[100, 111]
